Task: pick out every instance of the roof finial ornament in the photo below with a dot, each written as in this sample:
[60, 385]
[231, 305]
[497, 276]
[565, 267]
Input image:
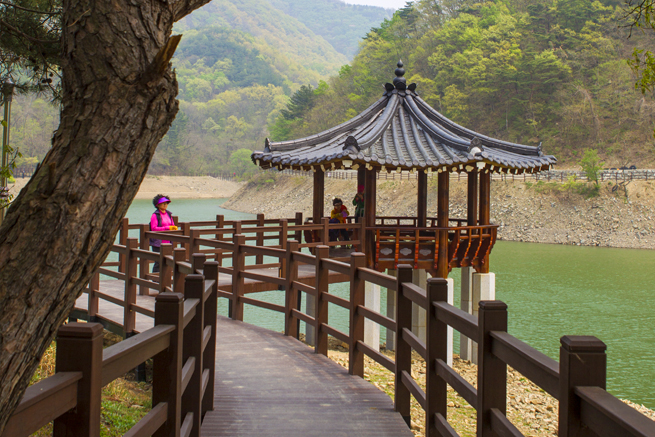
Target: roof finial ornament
[399, 81]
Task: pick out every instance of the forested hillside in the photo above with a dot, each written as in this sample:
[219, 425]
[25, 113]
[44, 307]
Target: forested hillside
[532, 71]
[551, 72]
[237, 65]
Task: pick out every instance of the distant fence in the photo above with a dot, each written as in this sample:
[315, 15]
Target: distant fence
[546, 176]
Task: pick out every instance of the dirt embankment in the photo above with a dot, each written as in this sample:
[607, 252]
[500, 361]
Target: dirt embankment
[620, 216]
[178, 187]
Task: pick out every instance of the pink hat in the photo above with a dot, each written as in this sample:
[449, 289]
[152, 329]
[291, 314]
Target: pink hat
[360, 188]
[163, 200]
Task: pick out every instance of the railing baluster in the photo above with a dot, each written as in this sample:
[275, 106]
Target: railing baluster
[194, 288]
[79, 348]
[129, 316]
[167, 365]
[291, 297]
[259, 259]
[322, 285]
[179, 255]
[492, 371]
[582, 363]
[437, 348]
[164, 268]
[403, 350]
[238, 264]
[357, 298]
[210, 270]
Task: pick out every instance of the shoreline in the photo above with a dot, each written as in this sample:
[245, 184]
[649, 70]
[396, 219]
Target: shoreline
[178, 187]
[621, 216]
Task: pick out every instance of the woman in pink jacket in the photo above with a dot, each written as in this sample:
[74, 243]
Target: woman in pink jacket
[161, 220]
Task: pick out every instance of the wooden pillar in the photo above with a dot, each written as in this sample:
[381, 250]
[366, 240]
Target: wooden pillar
[442, 222]
[361, 176]
[472, 209]
[485, 198]
[319, 195]
[485, 209]
[422, 200]
[370, 196]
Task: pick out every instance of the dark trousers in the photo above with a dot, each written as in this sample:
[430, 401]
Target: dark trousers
[155, 268]
[334, 233]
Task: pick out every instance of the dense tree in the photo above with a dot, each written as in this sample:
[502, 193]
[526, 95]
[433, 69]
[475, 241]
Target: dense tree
[118, 100]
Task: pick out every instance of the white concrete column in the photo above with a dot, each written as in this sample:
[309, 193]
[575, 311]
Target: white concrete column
[391, 313]
[465, 344]
[310, 310]
[372, 329]
[484, 288]
[420, 278]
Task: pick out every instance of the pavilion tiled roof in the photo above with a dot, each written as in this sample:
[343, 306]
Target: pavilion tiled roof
[401, 131]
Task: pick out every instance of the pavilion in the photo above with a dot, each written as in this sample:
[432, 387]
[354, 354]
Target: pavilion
[401, 132]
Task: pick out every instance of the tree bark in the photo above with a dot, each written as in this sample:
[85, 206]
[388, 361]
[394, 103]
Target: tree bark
[118, 102]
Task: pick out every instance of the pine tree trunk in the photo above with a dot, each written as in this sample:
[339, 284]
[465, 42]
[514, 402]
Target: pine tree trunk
[118, 102]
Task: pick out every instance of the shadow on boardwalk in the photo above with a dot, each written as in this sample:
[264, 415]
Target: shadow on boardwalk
[271, 385]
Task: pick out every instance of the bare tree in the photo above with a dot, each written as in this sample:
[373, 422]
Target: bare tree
[118, 100]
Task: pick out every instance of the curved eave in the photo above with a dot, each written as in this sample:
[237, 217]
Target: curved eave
[401, 132]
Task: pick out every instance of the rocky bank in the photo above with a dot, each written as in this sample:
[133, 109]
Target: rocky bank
[621, 215]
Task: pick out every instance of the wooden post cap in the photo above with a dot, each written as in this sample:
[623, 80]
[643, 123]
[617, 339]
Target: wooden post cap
[80, 330]
[437, 281]
[405, 266]
[194, 278]
[582, 343]
[169, 297]
[493, 305]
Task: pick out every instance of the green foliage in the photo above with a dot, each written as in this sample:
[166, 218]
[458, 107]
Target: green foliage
[641, 15]
[591, 165]
[29, 44]
[241, 164]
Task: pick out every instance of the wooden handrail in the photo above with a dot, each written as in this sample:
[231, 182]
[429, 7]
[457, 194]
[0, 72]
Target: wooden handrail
[54, 396]
[127, 354]
[534, 365]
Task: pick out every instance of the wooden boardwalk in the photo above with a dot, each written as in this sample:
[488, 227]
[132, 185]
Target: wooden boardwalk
[268, 384]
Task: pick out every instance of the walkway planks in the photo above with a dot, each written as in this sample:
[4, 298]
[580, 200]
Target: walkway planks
[271, 385]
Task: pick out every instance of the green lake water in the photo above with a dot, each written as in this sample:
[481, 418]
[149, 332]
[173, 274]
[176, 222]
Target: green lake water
[551, 291]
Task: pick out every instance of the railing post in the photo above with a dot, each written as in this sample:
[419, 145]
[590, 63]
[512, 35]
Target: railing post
[492, 371]
[436, 343]
[582, 362]
[94, 300]
[357, 298]
[179, 255]
[211, 274]
[322, 286]
[238, 264]
[79, 349]
[129, 316]
[198, 262]
[194, 247]
[144, 244]
[291, 297]
[259, 259]
[164, 267]
[284, 232]
[220, 224]
[325, 232]
[298, 222]
[194, 287]
[167, 365]
[122, 240]
[403, 349]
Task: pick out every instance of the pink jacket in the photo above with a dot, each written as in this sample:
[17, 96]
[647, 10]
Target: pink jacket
[166, 222]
